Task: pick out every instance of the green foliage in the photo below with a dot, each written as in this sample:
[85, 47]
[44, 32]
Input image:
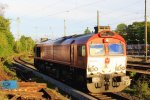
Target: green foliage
[7, 39]
[135, 33]
[25, 44]
[87, 31]
[7, 43]
[121, 28]
[132, 74]
[142, 90]
[10, 73]
[16, 47]
[140, 87]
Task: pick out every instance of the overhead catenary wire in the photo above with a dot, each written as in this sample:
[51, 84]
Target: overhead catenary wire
[102, 13]
[71, 9]
[123, 7]
[137, 18]
[128, 6]
[90, 4]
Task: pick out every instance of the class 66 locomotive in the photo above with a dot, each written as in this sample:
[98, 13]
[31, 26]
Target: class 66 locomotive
[94, 61]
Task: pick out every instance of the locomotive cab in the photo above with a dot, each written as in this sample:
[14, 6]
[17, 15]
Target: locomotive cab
[106, 64]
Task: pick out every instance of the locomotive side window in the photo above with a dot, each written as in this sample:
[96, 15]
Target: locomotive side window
[81, 50]
[96, 49]
[115, 49]
[38, 52]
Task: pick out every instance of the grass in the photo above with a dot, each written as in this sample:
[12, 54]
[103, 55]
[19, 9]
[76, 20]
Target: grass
[27, 58]
[140, 86]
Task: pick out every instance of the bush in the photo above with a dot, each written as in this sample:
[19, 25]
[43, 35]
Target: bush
[142, 89]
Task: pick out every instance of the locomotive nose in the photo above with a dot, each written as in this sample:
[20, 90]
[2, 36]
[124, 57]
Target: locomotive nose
[107, 60]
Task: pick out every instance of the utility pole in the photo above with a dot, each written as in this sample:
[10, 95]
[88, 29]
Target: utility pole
[64, 27]
[18, 32]
[145, 32]
[18, 23]
[97, 21]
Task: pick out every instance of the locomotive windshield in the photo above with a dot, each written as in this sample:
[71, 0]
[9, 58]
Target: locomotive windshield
[115, 49]
[96, 49]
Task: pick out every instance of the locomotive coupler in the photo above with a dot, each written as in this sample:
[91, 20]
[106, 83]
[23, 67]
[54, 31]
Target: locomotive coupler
[106, 82]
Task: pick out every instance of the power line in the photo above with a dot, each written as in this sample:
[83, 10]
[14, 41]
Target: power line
[48, 6]
[121, 8]
[74, 8]
[133, 4]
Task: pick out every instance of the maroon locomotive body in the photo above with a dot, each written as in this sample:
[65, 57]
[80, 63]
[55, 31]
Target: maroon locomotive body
[93, 61]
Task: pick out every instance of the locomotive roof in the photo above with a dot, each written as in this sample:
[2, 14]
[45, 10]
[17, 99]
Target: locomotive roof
[68, 39]
[77, 39]
[80, 39]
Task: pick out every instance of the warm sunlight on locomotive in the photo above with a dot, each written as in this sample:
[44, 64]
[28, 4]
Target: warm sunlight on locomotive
[93, 61]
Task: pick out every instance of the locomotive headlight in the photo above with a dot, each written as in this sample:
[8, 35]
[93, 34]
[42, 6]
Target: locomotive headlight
[92, 69]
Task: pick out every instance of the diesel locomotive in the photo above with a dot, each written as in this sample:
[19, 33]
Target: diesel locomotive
[94, 61]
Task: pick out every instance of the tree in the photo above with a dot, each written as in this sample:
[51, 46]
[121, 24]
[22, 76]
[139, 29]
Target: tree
[7, 39]
[135, 33]
[121, 28]
[25, 44]
[87, 31]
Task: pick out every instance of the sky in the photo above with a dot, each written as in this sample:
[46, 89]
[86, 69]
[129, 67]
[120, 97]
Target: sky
[45, 18]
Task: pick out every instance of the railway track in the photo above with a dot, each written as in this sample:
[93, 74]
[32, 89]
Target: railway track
[75, 93]
[139, 67]
[30, 90]
[141, 63]
[113, 96]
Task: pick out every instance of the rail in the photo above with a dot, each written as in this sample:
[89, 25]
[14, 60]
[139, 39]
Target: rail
[29, 90]
[139, 67]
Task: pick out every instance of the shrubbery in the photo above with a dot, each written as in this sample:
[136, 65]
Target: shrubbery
[8, 45]
[140, 86]
[6, 38]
